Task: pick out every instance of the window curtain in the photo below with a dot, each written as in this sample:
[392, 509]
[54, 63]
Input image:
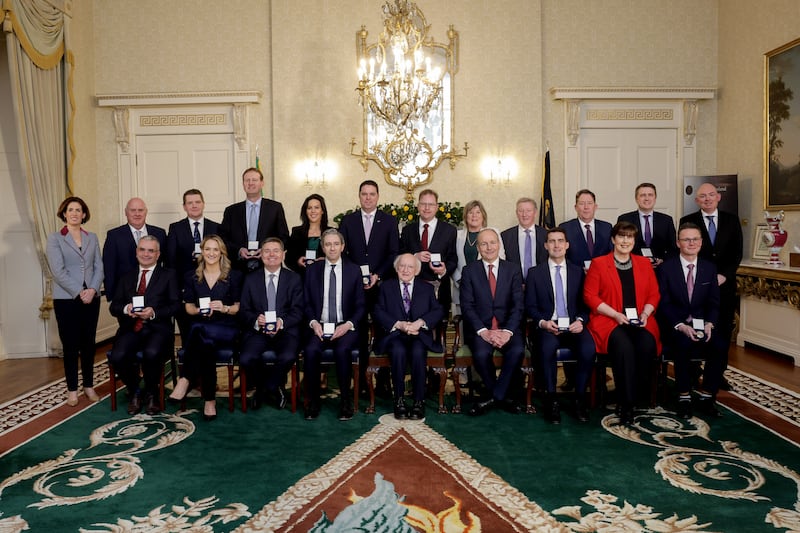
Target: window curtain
[35, 37]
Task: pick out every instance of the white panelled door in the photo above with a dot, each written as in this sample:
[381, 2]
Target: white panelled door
[614, 161]
[168, 165]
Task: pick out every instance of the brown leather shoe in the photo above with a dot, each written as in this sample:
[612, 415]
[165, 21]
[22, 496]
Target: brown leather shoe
[134, 404]
[152, 405]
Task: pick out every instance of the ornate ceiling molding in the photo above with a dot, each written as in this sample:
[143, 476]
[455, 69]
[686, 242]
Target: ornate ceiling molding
[633, 93]
[187, 98]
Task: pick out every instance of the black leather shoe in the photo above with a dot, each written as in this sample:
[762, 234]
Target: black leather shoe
[280, 399]
[626, 416]
[684, 409]
[417, 411]
[134, 404]
[400, 410]
[581, 411]
[511, 406]
[312, 412]
[346, 411]
[153, 408]
[553, 412]
[480, 408]
[709, 408]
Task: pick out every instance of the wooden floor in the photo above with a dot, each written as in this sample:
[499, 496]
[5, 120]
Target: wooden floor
[22, 375]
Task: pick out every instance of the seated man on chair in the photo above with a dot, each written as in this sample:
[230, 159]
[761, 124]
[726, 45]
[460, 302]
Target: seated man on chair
[492, 308]
[554, 301]
[334, 304]
[688, 312]
[144, 302]
[406, 314]
[270, 311]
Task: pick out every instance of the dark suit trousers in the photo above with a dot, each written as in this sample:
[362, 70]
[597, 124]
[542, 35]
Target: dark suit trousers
[682, 349]
[200, 357]
[343, 357]
[482, 352]
[251, 358]
[632, 352]
[363, 329]
[77, 325]
[402, 350]
[154, 341]
[582, 347]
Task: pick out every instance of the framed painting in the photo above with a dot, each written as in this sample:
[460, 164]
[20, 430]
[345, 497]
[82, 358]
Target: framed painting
[782, 127]
[760, 246]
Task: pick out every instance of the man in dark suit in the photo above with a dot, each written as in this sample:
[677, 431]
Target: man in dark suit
[524, 243]
[271, 311]
[372, 242]
[334, 306]
[406, 314]
[428, 236]
[554, 301]
[183, 245]
[119, 250]
[588, 237]
[185, 234]
[492, 309]
[688, 312]
[656, 237]
[722, 245]
[144, 328]
[247, 223]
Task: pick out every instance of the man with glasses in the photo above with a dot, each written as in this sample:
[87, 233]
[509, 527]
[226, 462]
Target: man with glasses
[688, 313]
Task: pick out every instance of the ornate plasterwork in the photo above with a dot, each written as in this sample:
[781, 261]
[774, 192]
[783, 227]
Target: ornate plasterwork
[123, 135]
[629, 114]
[194, 119]
[769, 284]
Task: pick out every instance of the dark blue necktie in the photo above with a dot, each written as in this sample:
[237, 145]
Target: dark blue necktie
[332, 315]
[712, 230]
[196, 233]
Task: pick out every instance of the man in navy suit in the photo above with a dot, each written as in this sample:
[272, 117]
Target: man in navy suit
[372, 242]
[524, 243]
[334, 306]
[148, 329]
[554, 301]
[119, 250]
[588, 237]
[688, 312]
[724, 249]
[428, 236]
[276, 293]
[244, 224]
[656, 236]
[406, 314]
[184, 234]
[492, 309]
[183, 244]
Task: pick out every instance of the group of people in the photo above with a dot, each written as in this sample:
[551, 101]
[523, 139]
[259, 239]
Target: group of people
[249, 283]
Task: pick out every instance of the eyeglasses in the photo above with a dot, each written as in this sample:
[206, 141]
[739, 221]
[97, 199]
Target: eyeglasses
[690, 240]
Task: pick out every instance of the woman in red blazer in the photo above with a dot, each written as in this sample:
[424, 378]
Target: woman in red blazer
[621, 291]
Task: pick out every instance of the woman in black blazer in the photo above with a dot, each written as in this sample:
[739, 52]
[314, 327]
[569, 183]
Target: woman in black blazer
[307, 236]
[213, 326]
[74, 258]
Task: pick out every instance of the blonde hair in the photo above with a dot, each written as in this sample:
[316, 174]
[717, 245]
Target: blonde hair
[224, 262]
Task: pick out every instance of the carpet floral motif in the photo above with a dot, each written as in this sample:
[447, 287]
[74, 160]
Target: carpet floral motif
[109, 466]
[691, 460]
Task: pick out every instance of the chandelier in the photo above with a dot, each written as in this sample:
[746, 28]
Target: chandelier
[405, 90]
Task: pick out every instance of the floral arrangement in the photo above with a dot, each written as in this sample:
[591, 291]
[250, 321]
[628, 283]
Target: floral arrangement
[451, 212]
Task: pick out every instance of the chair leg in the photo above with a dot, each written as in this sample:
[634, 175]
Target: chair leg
[456, 375]
[230, 387]
[113, 387]
[243, 388]
[173, 369]
[529, 408]
[294, 387]
[593, 387]
[355, 387]
[371, 371]
[442, 371]
[161, 388]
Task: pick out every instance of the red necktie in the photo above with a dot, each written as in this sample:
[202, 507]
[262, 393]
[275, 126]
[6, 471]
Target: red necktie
[139, 323]
[425, 238]
[493, 288]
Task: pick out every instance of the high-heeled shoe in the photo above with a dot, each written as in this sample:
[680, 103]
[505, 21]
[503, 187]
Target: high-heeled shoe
[91, 394]
[72, 398]
[208, 417]
[178, 399]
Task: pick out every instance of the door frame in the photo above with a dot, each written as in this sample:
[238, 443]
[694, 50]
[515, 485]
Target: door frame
[629, 108]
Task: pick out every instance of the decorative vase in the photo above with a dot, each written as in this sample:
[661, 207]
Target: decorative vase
[775, 238]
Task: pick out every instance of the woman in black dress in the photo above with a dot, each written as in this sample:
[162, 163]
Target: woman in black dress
[314, 217]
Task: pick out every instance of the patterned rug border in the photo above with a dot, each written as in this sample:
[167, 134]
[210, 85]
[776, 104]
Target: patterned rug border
[527, 513]
[772, 398]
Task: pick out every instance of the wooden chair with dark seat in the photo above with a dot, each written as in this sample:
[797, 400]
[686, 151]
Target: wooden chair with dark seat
[436, 362]
[269, 358]
[224, 357]
[461, 360]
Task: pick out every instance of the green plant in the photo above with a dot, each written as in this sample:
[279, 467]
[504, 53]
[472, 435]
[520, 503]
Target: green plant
[451, 212]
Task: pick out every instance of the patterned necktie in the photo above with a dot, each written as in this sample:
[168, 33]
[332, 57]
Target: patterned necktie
[561, 304]
[690, 281]
[137, 236]
[493, 288]
[712, 229]
[332, 315]
[527, 261]
[589, 239]
[648, 235]
[196, 233]
[271, 293]
[424, 239]
[406, 299]
[140, 290]
[367, 227]
[252, 223]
